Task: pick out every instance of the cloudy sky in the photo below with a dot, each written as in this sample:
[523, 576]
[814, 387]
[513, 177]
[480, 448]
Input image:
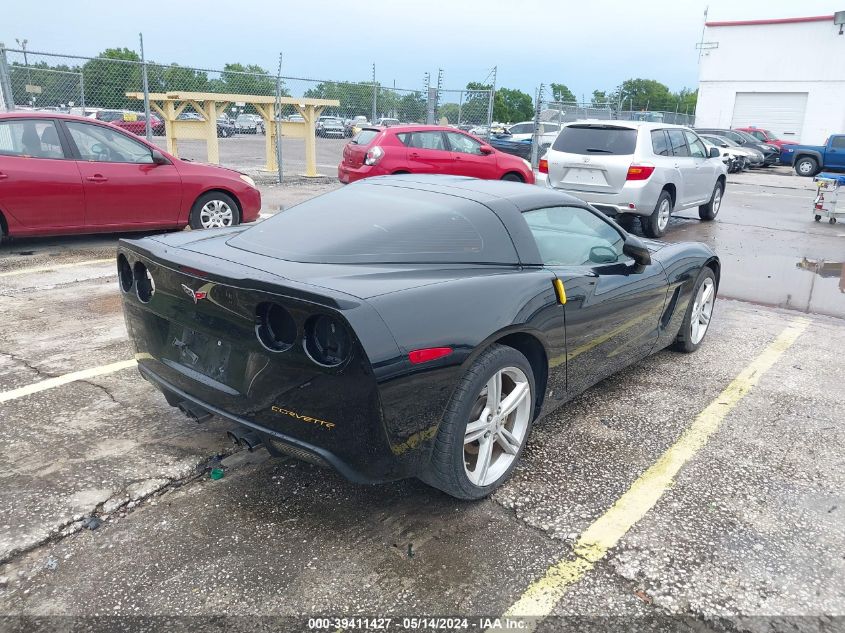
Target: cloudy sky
[586, 44]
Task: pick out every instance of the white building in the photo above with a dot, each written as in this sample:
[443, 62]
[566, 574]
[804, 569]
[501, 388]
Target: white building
[787, 76]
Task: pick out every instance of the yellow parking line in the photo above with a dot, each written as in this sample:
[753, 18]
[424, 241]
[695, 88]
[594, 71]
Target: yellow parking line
[44, 269]
[540, 598]
[58, 381]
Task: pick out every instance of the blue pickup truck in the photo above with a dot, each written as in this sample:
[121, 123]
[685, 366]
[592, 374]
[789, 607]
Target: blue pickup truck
[808, 160]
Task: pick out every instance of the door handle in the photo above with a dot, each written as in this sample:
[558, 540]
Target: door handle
[96, 178]
[413, 155]
[677, 165]
[3, 176]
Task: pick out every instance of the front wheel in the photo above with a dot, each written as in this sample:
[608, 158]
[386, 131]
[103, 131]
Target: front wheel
[214, 209]
[485, 427]
[709, 211]
[806, 166]
[655, 224]
[512, 177]
[699, 312]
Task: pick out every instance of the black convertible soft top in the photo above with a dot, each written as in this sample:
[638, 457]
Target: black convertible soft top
[408, 219]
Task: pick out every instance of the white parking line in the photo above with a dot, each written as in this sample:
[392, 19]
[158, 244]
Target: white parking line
[45, 269]
[58, 381]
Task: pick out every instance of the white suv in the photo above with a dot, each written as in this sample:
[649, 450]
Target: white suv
[634, 168]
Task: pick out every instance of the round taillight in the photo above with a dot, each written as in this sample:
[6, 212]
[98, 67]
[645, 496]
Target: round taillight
[274, 327]
[327, 341]
[124, 273]
[144, 284]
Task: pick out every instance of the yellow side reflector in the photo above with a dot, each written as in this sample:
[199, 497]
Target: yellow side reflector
[560, 290]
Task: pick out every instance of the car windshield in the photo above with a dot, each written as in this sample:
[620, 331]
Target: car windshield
[596, 140]
[722, 140]
[365, 137]
[370, 226]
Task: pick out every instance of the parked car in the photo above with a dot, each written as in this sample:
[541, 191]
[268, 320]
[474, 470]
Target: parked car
[225, 125]
[525, 130]
[732, 163]
[296, 118]
[135, 122]
[521, 148]
[387, 122]
[330, 126]
[751, 157]
[808, 160]
[354, 125]
[771, 153]
[249, 124]
[636, 169]
[69, 174]
[765, 136]
[426, 149]
[421, 336]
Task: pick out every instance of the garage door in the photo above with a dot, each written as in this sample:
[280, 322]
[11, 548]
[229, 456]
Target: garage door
[778, 112]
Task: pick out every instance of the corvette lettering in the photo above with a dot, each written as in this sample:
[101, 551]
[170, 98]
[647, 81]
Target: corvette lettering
[196, 295]
[303, 418]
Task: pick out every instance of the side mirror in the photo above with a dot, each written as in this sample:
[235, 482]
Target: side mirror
[485, 149]
[159, 158]
[636, 250]
[714, 152]
[724, 145]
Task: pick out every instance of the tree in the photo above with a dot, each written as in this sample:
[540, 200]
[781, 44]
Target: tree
[449, 111]
[411, 108]
[599, 98]
[510, 105]
[250, 79]
[561, 93]
[110, 76]
[687, 100]
[176, 77]
[355, 98]
[643, 94]
[51, 85]
[476, 103]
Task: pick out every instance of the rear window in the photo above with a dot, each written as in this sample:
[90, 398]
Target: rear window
[370, 224]
[365, 137]
[659, 143]
[596, 139]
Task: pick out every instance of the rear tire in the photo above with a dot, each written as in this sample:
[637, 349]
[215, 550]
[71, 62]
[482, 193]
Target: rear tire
[214, 209]
[806, 166]
[655, 224]
[699, 312]
[470, 415]
[709, 211]
[512, 177]
[627, 221]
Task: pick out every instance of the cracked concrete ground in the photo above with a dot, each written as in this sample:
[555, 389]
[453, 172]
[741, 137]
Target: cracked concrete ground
[752, 528]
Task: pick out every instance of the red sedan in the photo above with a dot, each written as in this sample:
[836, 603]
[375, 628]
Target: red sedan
[67, 174]
[427, 149]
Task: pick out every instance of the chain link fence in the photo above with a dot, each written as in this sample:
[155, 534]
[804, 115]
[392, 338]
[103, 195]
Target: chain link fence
[98, 87]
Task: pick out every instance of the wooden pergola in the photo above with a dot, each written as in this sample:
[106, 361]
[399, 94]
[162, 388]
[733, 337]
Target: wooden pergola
[209, 105]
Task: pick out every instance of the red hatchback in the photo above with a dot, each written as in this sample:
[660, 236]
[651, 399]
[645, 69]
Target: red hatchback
[68, 174]
[427, 149]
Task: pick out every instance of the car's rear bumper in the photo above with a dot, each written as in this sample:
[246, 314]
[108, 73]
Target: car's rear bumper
[636, 197]
[347, 174]
[278, 442]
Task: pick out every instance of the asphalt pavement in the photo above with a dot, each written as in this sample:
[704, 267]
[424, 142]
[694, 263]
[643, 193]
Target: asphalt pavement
[690, 492]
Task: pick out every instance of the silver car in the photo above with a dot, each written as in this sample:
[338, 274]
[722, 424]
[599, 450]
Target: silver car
[636, 168]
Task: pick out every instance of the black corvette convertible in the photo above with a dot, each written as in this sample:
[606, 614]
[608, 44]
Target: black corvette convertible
[407, 326]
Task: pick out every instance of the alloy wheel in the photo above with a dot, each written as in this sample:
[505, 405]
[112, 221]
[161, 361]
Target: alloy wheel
[498, 426]
[663, 214]
[216, 214]
[717, 199]
[702, 310]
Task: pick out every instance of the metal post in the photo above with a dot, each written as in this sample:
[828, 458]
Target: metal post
[5, 83]
[460, 105]
[147, 127]
[278, 117]
[82, 92]
[490, 105]
[535, 138]
[375, 95]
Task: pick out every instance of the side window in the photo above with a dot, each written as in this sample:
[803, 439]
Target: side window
[33, 138]
[660, 143]
[101, 144]
[404, 138]
[463, 144]
[574, 236]
[697, 149]
[838, 142]
[428, 140]
[758, 135]
[678, 142]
